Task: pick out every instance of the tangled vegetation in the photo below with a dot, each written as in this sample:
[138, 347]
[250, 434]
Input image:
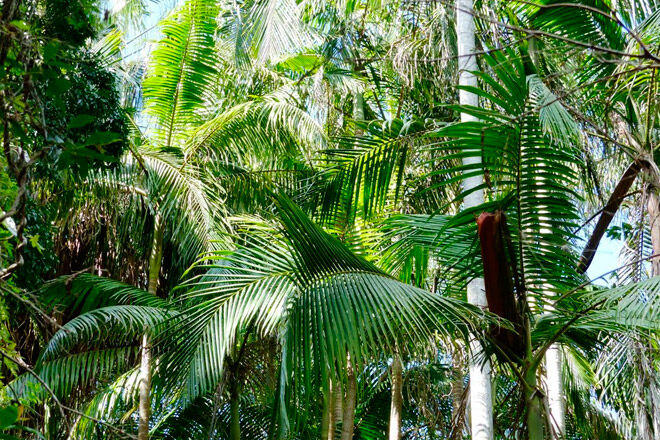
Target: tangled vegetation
[329, 219]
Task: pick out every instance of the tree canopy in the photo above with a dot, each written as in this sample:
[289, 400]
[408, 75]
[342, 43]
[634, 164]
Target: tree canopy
[329, 219]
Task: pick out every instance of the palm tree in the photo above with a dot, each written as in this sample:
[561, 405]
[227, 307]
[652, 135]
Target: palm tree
[279, 321]
[270, 286]
[481, 402]
[163, 171]
[626, 128]
[540, 210]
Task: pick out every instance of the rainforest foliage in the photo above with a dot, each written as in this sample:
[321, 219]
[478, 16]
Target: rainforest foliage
[329, 219]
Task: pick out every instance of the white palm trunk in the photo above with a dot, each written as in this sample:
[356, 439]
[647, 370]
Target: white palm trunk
[397, 398]
[554, 384]
[481, 398]
[144, 405]
[555, 390]
[481, 401]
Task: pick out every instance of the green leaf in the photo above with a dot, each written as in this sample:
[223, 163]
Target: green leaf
[34, 242]
[50, 50]
[57, 87]
[22, 25]
[102, 138]
[301, 63]
[80, 121]
[8, 416]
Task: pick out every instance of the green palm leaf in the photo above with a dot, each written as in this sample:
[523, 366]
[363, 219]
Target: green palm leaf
[304, 286]
[181, 70]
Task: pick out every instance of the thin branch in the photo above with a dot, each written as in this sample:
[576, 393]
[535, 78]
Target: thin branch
[595, 10]
[31, 305]
[539, 33]
[62, 408]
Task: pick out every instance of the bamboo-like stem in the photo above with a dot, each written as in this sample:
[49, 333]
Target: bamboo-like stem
[337, 408]
[531, 391]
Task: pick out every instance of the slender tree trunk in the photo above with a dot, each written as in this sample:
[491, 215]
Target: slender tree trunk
[350, 402]
[655, 401]
[337, 410]
[642, 410]
[534, 401]
[458, 395]
[481, 404]
[397, 398]
[653, 208]
[358, 108]
[347, 418]
[645, 410]
[144, 389]
[156, 255]
[155, 263]
[327, 421]
[609, 211]
[555, 388]
[653, 409]
[555, 391]
[234, 410]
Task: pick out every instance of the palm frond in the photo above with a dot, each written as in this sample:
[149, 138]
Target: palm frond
[254, 129]
[107, 325]
[263, 31]
[181, 70]
[363, 172]
[305, 286]
[76, 295]
[526, 173]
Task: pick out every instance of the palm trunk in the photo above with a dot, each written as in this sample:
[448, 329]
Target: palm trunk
[533, 396]
[337, 409]
[358, 108]
[397, 398]
[155, 263]
[156, 256]
[653, 208]
[645, 409]
[481, 399]
[555, 390]
[347, 418]
[457, 396]
[642, 410]
[234, 409]
[350, 402]
[144, 389]
[481, 404]
[327, 419]
[534, 401]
